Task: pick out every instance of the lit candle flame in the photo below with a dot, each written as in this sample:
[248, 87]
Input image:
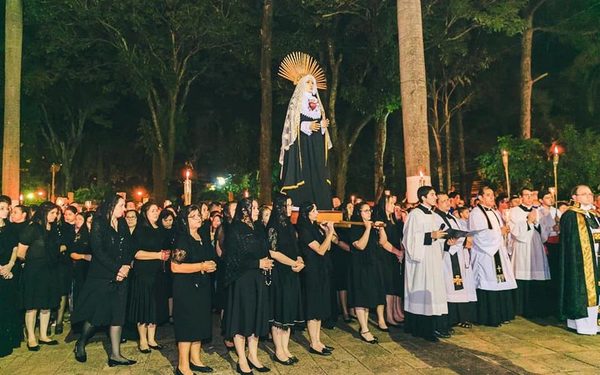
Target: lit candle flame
[555, 150]
[187, 174]
[421, 173]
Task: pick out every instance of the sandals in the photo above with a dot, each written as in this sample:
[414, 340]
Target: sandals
[465, 325]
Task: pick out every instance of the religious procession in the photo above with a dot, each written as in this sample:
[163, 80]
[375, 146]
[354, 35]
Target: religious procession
[384, 217]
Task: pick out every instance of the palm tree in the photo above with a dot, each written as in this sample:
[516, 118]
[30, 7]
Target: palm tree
[414, 95]
[12, 98]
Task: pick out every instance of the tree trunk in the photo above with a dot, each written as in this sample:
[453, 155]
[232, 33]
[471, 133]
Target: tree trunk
[380, 141]
[413, 93]
[439, 165]
[12, 99]
[159, 178]
[100, 175]
[462, 165]
[526, 81]
[448, 141]
[266, 109]
[347, 137]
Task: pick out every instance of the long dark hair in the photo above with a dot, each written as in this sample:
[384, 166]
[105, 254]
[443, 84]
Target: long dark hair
[183, 222]
[357, 207]
[107, 207]
[41, 214]
[163, 215]
[305, 209]
[144, 214]
[243, 211]
[279, 216]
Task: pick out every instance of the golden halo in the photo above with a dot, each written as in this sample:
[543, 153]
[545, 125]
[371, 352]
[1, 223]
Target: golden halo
[299, 64]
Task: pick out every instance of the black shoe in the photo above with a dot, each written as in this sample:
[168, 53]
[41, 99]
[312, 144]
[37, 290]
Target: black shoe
[203, 369]
[178, 371]
[239, 370]
[144, 351]
[294, 359]
[441, 335]
[114, 362]
[373, 341]
[383, 329]
[259, 369]
[324, 352]
[432, 338]
[123, 340]
[80, 357]
[33, 348]
[329, 348]
[451, 330]
[156, 347]
[287, 362]
[50, 343]
[58, 330]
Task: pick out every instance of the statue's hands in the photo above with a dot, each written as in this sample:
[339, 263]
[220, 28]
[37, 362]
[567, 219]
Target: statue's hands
[314, 126]
[324, 123]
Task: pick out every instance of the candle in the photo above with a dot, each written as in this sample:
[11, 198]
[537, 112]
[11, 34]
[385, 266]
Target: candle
[421, 178]
[506, 174]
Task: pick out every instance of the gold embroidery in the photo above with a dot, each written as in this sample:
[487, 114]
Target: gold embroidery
[588, 265]
[457, 280]
[596, 237]
[292, 187]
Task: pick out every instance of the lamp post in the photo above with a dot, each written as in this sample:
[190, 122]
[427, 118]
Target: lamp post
[54, 168]
[187, 188]
[505, 164]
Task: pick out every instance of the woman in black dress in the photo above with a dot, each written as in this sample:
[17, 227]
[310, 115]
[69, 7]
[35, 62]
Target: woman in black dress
[166, 221]
[131, 218]
[287, 296]
[390, 262]
[315, 243]
[39, 247]
[220, 290]
[148, 243]
[11, 328]
[365, 289]
[340, 259]
[192, 263]
[80, 255]
[247, 264]
[103, 299]
[66, 235]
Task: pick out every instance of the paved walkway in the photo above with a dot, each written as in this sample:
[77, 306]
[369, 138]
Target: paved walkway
[522, 347]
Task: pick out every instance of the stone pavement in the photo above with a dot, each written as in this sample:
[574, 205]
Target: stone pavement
[522, 347]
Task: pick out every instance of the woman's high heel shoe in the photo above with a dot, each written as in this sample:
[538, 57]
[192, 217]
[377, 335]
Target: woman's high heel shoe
[239, 370]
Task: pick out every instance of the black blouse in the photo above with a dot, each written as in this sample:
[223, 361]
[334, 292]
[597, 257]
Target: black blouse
[245, 246]
[111, 249]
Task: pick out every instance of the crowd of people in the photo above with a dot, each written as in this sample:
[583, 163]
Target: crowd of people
[429, 267]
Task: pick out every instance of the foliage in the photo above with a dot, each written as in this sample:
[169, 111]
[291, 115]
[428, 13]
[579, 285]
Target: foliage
[528, 164]
[580, 162]
[92, 193]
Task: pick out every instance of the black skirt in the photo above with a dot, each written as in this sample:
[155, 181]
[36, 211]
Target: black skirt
[494, 307]
[341, 263]
[11, 326]
[532, 298]
[102, 302]
[248, 309]
[40, 289]
[80, 270]
[286, 297]
[461, 313]
[317, 291]
[142, 306]
[365, 287]
[391, 273]
[192, 308]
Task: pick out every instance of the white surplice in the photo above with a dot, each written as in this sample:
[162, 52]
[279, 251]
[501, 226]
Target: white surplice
[424, 289]
[468, 293]
[528, 254]
[486, 244]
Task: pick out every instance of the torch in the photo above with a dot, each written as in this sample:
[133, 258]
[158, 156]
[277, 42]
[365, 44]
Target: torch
[505, 163]
[555, 165]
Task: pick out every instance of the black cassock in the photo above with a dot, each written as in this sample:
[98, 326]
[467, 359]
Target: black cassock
[305, 176]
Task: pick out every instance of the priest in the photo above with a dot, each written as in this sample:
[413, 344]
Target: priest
[425, 302]
[530, 262]
[578, 277]
[458, 277]
[492, 269]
